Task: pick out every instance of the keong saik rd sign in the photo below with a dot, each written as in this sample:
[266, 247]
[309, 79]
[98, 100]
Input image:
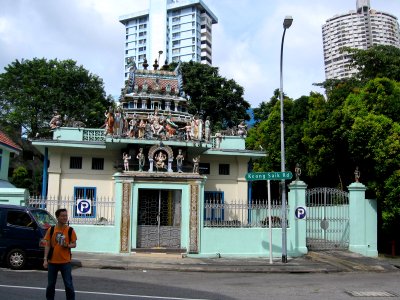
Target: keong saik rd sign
[268, 176]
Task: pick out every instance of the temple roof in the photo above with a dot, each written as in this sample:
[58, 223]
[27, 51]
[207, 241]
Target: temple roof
[6, 141]
[153, 82]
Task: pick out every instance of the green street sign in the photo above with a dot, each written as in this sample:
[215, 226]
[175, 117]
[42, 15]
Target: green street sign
[269, 176]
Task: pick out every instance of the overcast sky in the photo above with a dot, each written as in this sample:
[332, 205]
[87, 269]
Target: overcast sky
[246, 40]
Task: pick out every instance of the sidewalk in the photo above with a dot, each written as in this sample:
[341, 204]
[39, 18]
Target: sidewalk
[313, 262]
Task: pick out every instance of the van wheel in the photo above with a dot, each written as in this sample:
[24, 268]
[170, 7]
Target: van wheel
[16, 259]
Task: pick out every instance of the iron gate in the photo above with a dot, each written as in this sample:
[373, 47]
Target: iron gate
[159, 219]
[327, 219]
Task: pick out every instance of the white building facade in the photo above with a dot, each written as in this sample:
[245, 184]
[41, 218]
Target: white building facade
[172, 30]
[359, 29]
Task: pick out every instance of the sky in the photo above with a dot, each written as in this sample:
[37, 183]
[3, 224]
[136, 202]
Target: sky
[246, 40]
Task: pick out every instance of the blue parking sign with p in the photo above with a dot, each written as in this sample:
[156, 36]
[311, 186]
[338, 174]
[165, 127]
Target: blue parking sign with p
[300, 212]
[83, 206]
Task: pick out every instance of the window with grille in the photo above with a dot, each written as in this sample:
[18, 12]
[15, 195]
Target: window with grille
[223, 169]
[213, 206]
[75, 162]
[97, 163]
[85, 202]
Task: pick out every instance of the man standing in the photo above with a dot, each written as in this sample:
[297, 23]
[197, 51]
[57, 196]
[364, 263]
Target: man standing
[57, 255]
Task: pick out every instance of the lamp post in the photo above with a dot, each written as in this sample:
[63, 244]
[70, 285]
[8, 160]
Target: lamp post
[286, 24]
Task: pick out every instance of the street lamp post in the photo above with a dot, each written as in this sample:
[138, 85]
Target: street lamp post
[286, 24]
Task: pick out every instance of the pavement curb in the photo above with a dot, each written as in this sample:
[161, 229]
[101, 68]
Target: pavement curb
[313, 262]
[350, 262]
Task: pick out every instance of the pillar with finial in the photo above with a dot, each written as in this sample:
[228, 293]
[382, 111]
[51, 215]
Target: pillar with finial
[155, 66]
[145, 64]
[165, 66]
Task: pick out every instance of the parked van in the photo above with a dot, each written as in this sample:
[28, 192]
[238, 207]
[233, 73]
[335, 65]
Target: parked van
[21, 234]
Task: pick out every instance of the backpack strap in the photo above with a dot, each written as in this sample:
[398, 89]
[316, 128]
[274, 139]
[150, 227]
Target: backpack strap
[51, 233]
[70, 233]
[50, 253]
[69, 239]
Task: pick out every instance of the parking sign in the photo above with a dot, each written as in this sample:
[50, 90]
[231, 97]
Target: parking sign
[83, 206]
[300, 212]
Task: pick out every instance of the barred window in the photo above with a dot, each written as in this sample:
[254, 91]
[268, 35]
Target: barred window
[85, 202]
[75, 162]
[223, 169]
[97, 163]
[213, 206]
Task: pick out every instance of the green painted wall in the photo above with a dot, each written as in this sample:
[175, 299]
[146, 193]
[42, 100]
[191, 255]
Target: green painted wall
[5, 162]
[97, 238]
[14, 196]
[245, 242]
[102, 239]
[363, 221]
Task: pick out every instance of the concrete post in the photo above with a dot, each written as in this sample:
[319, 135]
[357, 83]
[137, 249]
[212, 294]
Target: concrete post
[363, 221]
[297, 225]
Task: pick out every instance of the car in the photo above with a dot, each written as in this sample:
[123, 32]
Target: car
[22, 230]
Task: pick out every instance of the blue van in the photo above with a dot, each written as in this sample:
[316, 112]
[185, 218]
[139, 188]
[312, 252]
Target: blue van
[21, 234]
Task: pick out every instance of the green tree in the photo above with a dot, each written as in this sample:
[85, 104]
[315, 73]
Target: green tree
[20, 178]
[264, 109]
[373, 143]
[32, 90]
[210, 94]
[377, 61]
[266, 134]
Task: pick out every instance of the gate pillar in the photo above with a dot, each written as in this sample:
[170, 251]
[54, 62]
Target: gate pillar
[297, 220]
[363, 221]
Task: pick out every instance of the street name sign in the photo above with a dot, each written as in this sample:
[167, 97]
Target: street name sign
[269, 176]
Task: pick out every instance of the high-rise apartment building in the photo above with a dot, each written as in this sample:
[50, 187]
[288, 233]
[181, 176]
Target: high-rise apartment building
[172, 30]
[359, 29]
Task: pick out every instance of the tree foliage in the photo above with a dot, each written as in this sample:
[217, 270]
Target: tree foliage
[20, 178]
[356, 125]
[213, 96]
[265, 108]
[32, 90]
[377, 61]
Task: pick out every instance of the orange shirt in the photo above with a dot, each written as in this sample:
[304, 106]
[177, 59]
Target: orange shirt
[61, 255]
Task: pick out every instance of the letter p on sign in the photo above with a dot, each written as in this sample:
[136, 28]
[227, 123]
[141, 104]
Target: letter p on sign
[300, 212]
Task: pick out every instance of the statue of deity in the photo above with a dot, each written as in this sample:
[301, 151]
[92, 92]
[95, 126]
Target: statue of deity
[126, 159]
[141, 159]
[179, 161]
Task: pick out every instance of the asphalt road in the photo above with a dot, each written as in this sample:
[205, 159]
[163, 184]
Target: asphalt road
[122, 284]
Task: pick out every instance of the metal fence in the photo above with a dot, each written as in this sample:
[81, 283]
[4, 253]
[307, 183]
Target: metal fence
[98, 211]
[238, 214]
[328, 220]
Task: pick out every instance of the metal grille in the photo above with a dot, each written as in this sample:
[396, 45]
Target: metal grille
[102, 210]
[327, 219]
[218, 213]
[97, 135]
[159, 219]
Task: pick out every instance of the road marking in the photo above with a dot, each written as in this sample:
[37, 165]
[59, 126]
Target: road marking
[100, 293]
[371, 294]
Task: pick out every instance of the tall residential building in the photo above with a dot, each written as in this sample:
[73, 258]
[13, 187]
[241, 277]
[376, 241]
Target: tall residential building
[359, 29]
[172, 30]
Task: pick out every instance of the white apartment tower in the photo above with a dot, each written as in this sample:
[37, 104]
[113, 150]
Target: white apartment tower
[359, 29]
[172, 30]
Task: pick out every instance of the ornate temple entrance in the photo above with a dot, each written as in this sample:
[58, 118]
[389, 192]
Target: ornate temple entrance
[159, 219]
